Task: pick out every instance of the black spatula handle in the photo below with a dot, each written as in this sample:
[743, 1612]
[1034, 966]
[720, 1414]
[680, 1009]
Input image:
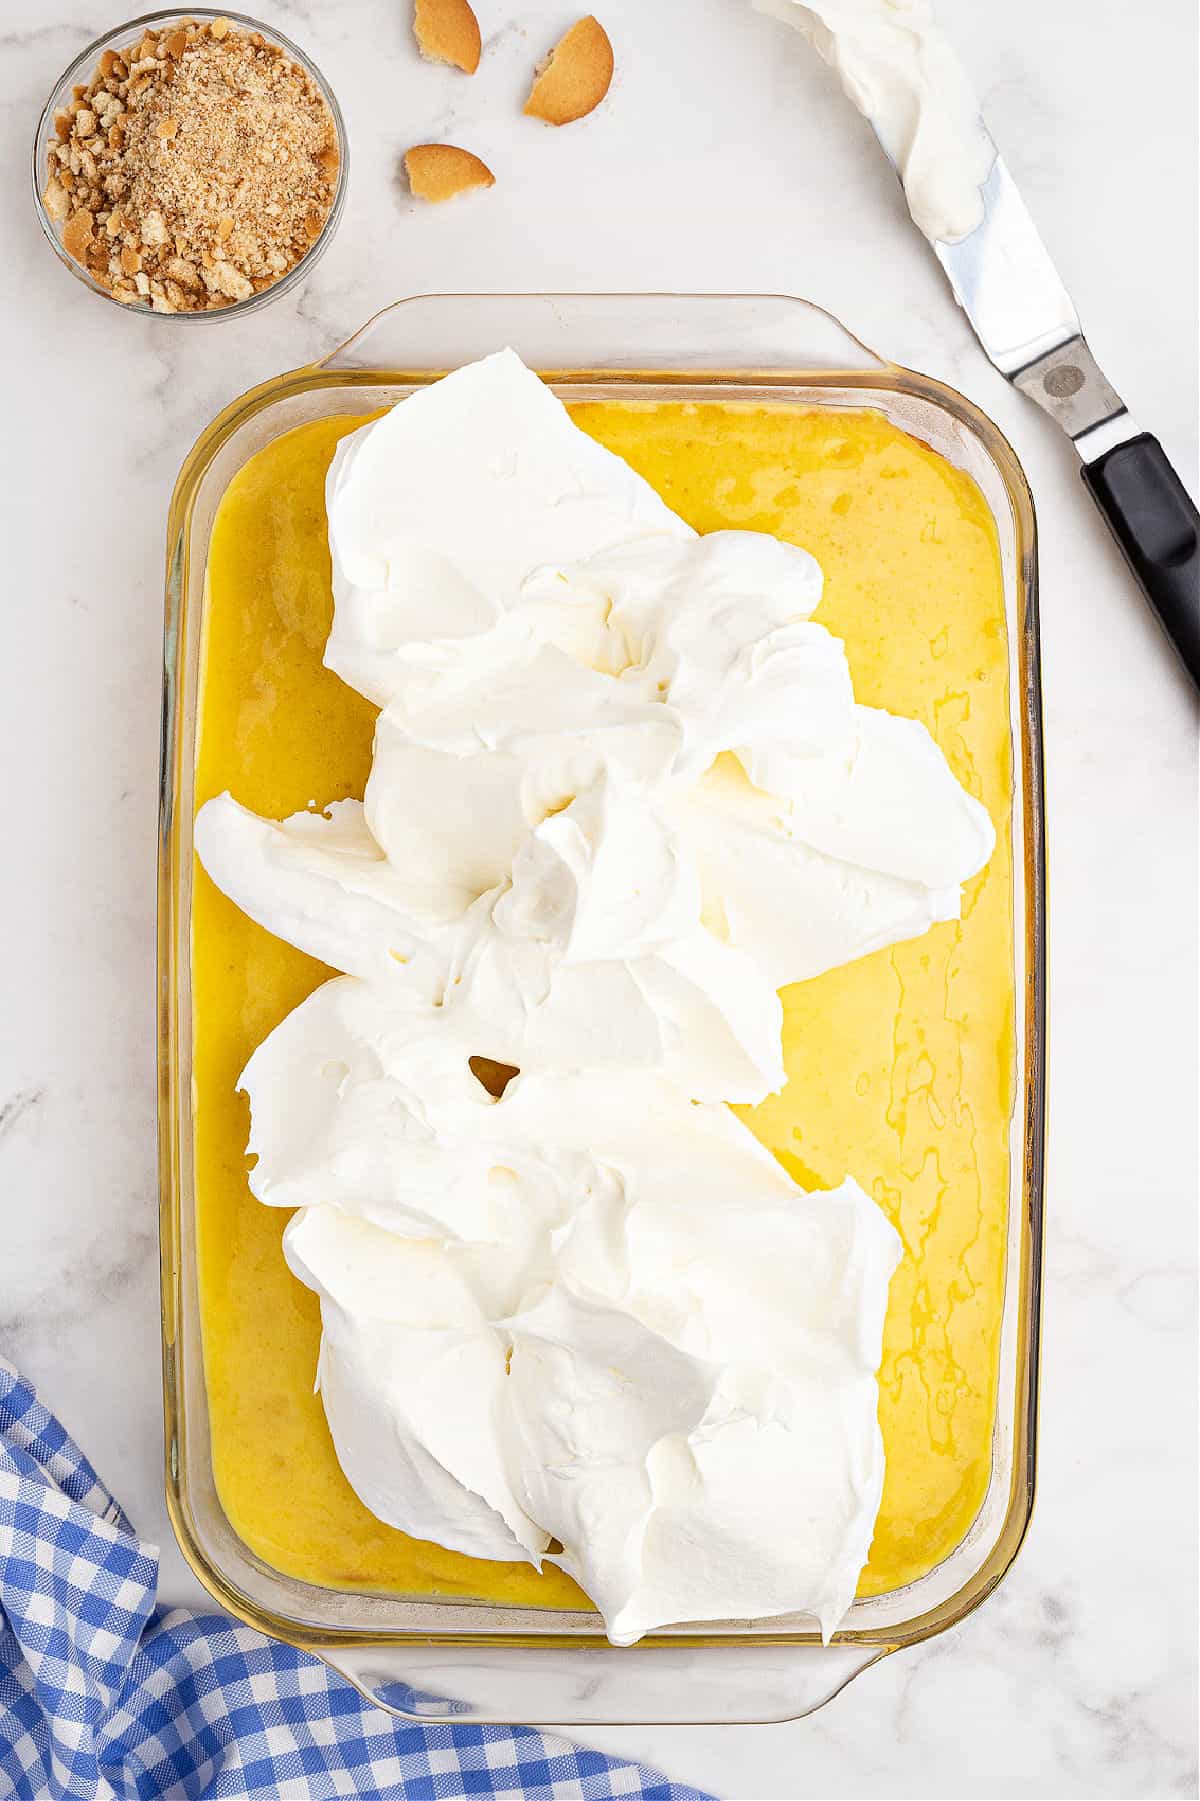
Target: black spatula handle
[1158, 528]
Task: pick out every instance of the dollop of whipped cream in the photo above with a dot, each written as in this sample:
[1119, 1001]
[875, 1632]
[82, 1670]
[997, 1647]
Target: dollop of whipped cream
[899, 69]
[588, 1311]
[628, 784]
[439, 509]
[621, 793]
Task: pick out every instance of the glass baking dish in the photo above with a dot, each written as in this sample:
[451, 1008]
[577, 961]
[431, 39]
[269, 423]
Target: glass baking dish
[427, 1658]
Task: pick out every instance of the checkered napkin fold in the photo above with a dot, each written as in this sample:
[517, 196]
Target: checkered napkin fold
[104, 1694]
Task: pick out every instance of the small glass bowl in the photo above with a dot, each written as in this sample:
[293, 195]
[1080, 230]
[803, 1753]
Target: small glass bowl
[81, 72]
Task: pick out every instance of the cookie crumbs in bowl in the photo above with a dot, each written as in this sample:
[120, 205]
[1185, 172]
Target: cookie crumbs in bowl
[196, 168]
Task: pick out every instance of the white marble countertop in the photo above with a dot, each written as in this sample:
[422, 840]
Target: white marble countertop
[724, 159]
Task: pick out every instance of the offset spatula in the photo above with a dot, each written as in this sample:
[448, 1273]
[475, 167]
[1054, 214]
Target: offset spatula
[1022, 315]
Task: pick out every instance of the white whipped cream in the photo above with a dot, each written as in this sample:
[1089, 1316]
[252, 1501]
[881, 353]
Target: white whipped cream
[439, 509]
[621, 793]
[898, 68]
[590, 1311]
[556, 788]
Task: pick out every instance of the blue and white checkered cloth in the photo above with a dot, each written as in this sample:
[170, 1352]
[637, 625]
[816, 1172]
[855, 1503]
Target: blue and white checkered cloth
[104, 1694]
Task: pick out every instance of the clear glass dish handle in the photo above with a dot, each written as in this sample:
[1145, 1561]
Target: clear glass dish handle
[601, 1685]
[675, 332]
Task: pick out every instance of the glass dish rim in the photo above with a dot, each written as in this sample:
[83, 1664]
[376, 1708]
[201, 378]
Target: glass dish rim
[1025, 669]
[74, 72]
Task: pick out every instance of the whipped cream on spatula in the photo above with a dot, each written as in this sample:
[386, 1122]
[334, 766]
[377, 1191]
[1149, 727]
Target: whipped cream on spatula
[899, 69]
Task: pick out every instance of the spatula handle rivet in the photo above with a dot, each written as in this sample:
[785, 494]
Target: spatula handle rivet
[1064, 381]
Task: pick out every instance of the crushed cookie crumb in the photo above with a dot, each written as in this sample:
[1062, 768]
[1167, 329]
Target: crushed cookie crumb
[195, 169]
[78, 235]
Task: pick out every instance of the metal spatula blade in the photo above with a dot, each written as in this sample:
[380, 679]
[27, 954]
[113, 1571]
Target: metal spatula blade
[1005, 282]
